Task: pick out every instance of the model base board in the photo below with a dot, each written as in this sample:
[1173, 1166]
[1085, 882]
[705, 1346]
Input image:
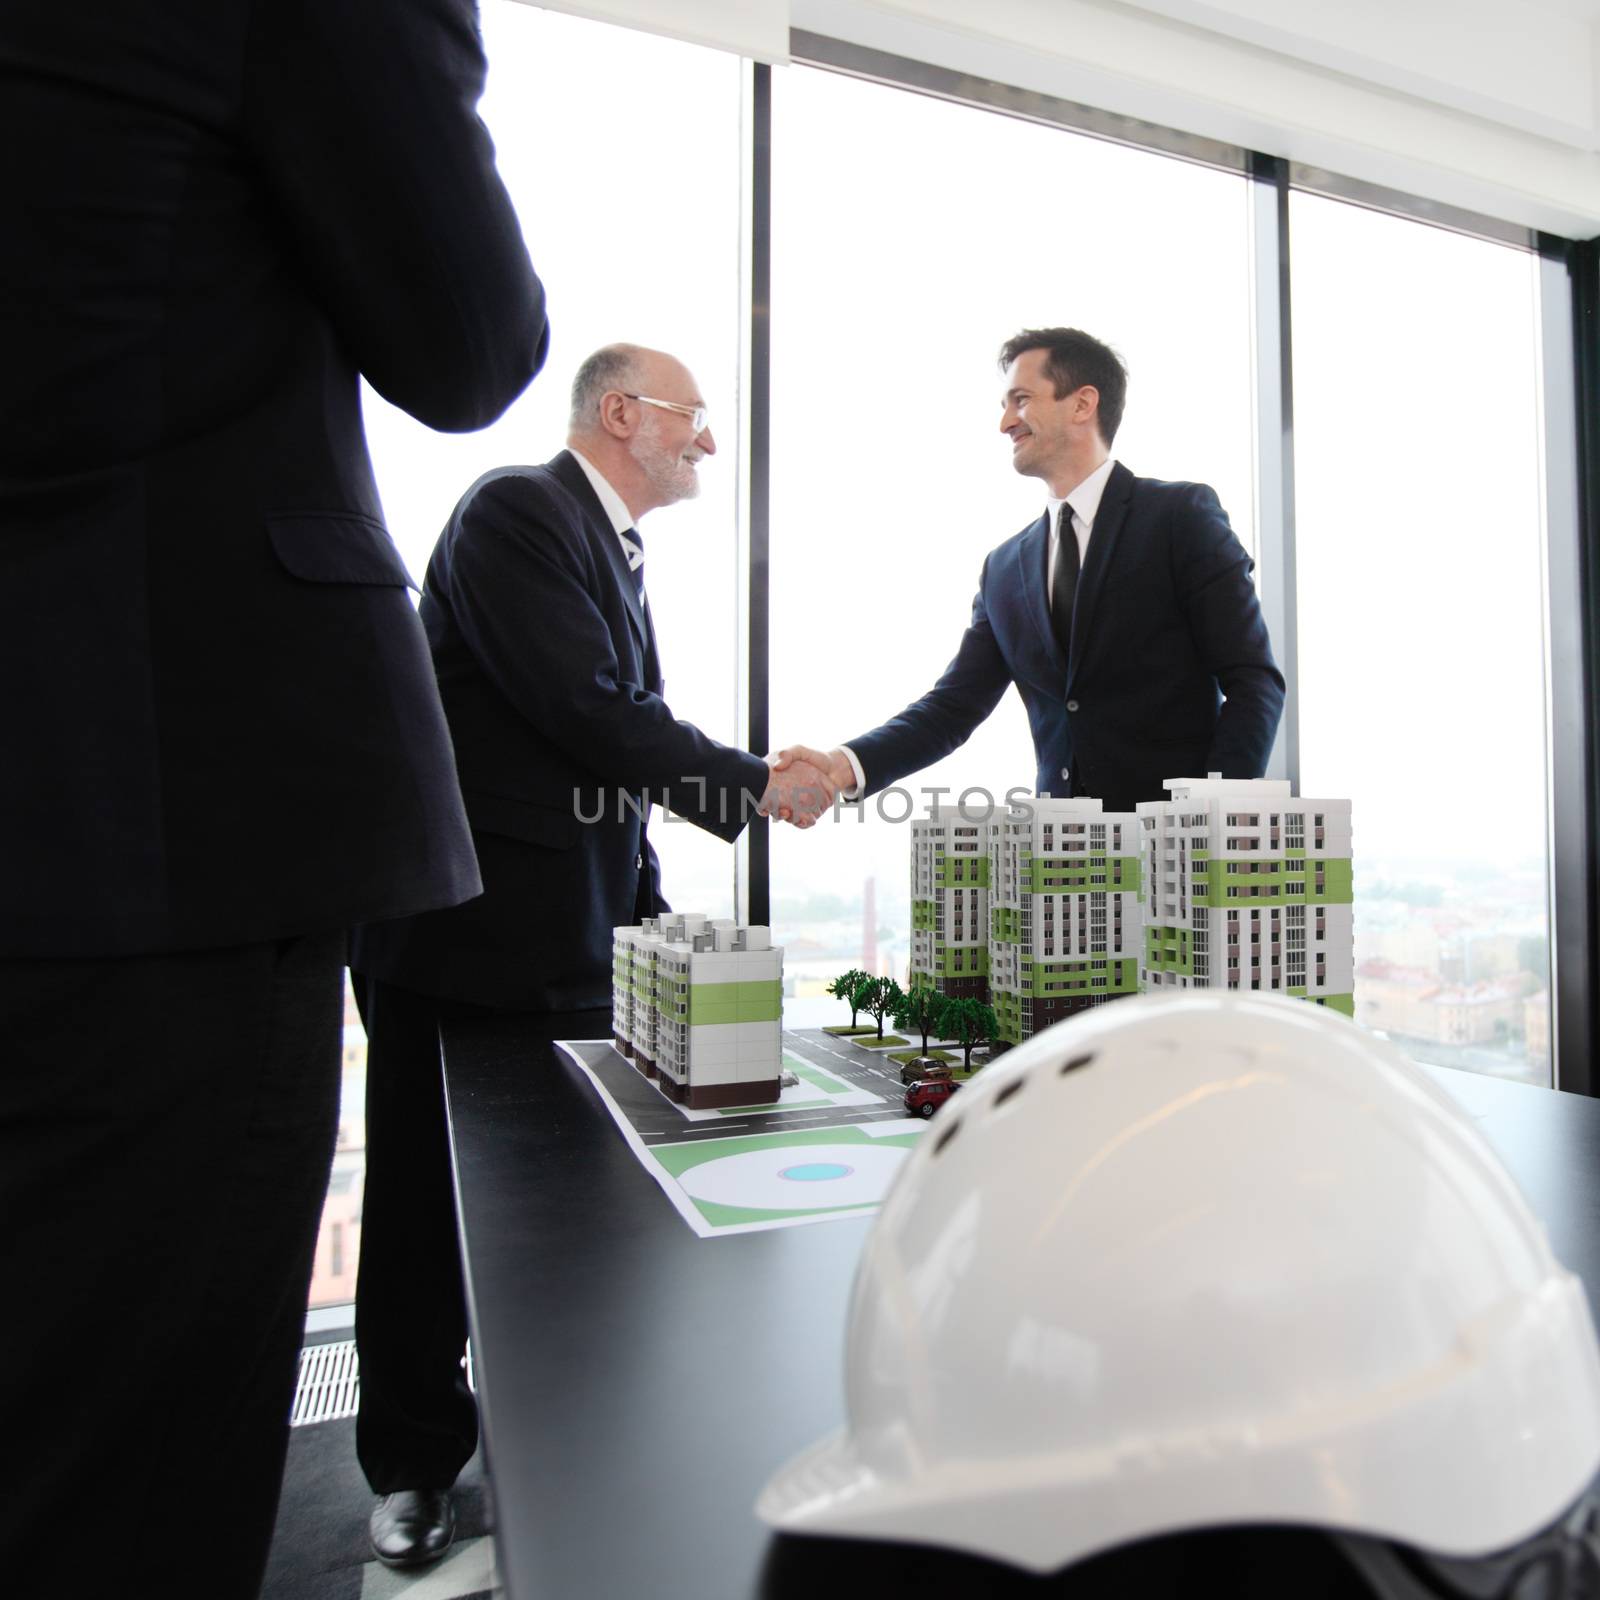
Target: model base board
[828, 1146]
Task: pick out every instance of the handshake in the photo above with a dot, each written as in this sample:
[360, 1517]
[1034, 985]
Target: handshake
[805, 783]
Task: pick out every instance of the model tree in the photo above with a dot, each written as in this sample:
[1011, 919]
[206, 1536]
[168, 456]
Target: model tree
[971, 1023]
[921, 1011]
[879, 997]
[847, 987]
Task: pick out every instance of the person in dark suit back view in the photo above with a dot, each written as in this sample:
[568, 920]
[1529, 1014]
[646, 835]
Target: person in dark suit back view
[224, 743]
[1124, 615]
[536, 611]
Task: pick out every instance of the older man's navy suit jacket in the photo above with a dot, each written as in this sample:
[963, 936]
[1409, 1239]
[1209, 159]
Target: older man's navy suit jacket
[1171, 671]
[547, 667]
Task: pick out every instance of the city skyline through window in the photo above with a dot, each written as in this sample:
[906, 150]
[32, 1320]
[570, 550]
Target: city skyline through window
[1419, 547]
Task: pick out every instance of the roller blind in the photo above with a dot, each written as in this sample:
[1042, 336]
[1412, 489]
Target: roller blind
[755, 28]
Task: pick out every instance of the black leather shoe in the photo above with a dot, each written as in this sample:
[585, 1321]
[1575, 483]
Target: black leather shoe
[412, 1527]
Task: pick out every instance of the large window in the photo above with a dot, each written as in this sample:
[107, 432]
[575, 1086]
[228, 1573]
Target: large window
[622, 155]
[910, 238]
[1419, 546]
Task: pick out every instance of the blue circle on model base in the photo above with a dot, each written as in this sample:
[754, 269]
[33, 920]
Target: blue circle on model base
[816, 1171]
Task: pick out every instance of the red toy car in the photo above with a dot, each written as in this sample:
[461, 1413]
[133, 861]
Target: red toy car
[923, 1072]
[926, 1097]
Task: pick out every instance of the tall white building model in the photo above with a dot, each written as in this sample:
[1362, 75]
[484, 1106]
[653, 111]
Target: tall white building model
[1064, 912]
[698, 1007]
[1053, 906]
[950, 903]
[1246, 887]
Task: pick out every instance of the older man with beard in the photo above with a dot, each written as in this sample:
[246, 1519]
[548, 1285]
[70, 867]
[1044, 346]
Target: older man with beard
[542, 641]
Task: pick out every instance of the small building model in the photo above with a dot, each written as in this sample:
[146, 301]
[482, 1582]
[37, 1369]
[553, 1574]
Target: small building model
[1064, 912]
[698, 1007]
[634, 955]
[950, 903]
[1247, 887]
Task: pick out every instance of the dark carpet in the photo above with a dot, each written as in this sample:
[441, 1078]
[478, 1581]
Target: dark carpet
[320, 1549]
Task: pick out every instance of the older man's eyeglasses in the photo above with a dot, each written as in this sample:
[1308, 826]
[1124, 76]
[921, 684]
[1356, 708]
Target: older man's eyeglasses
[695, 414]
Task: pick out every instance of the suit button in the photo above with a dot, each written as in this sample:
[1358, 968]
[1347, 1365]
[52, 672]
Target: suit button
[638, 863]
[1065, 773]
[1072, 705]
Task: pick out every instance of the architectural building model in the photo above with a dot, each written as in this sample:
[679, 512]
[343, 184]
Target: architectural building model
[698, 1007]
[1246, 887]
[1064, 912]
[1056, 905]
[950, 904]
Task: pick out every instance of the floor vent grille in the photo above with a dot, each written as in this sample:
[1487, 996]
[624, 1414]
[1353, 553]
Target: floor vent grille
[330, 1382]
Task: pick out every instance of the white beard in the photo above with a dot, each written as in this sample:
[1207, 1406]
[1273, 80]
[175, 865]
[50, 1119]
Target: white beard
[670, 473]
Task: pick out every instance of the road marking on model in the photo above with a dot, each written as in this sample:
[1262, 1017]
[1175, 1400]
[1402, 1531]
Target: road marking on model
[827, 1048]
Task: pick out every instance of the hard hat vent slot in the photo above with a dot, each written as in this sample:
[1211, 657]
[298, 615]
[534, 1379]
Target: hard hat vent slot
[1074, 1062]
[944, 1138]
[1007, 1092]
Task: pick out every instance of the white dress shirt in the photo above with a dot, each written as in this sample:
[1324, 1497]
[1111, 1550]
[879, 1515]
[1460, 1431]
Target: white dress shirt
[1083, 502]
[614, 507]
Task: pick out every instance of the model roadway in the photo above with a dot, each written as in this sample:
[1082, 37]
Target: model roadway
[658, 1121]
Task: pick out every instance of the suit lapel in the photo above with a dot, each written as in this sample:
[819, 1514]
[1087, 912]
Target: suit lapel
[652, 660]
[1033, 553]
[604, 537]
[1108, 521]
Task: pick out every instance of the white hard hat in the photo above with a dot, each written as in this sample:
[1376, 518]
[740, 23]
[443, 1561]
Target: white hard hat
[1181, 1263]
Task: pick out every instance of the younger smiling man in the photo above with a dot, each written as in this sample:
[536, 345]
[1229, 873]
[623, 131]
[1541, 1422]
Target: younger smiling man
[1125, 614]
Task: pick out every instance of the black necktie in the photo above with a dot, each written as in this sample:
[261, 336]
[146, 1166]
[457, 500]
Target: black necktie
[1064, 582]
[636, 539]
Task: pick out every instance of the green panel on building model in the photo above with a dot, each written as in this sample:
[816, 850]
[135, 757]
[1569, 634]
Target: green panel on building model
[1167, 950]
[974, 962]
[1008, 1016]
[1052, 979]
[1338, 882]
[714, 1003]
[961, 872]
[1121, 875]
[1275, 881]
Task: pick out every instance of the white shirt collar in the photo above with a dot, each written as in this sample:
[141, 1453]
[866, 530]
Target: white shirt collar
[611, 502]
[1084, 500]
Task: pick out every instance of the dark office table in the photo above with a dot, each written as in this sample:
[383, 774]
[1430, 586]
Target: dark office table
[639, 1384]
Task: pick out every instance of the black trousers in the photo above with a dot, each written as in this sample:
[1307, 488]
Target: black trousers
[418, 1423]
[166, 1131]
